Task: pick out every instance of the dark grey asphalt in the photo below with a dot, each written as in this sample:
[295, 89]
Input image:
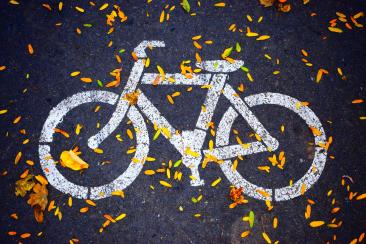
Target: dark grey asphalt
[153, 215]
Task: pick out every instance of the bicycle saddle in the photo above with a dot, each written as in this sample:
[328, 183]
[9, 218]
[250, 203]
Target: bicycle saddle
[220, 66]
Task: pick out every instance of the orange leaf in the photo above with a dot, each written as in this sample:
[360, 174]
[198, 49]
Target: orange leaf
[30, 49]
[86, 79]
[357, 101]
[70, 160]
[316, 223]
[90, 202]
[18, 157]
[84, 210]
[25, 235]
[62, 132]
[41, 180]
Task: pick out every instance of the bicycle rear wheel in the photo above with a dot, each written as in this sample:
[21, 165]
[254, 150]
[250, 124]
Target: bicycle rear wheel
[48, 164]
[287, 192]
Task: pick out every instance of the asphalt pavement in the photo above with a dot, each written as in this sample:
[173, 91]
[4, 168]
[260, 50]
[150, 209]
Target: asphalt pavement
[294, 53]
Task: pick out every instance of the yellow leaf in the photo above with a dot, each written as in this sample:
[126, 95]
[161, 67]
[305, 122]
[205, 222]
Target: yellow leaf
[98, 150]
[262, 38]
[217, 181]
[75, 73]
[78, 128]
[266, 237]
[245, 234]
[129, 134]
[195, 38]
[70, 160]
[104, 6]
[335, 29]
[166, 184]
[81, 10]
[69, 202]
[275, 223]
[120, 217]
[161, 71]
[3, 111]
[316, 223]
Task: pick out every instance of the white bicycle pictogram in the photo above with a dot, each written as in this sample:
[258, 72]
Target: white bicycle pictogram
[192, 140]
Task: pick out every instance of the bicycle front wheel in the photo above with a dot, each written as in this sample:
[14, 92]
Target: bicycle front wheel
[301, 185]
[48, 164]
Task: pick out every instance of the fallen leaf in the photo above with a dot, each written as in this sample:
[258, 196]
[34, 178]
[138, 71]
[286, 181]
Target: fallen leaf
[70, 160]
[24, 185]
[316, 223]
[39, 197]
[266, 3]
[185, 5]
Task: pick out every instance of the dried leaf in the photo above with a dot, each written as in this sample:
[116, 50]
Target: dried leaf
[41, 180]
[266, 3]
[39, 197]
[316, 223]
[166, 184]
[70, 160]
[24, 185]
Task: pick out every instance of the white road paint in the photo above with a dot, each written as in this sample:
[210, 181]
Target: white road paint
[48, 164]
[186, 140]
[130, 86]
[179, 79]
[320, 156]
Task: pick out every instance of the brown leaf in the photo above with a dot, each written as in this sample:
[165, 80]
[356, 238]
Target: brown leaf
[39, 197]
[24, 185]
[266, 3]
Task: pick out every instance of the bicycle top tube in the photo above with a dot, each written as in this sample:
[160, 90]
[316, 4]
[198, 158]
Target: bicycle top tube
[176, 79]
[220, 66]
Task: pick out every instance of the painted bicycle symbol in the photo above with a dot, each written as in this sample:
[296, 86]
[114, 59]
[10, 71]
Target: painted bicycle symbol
[192, 140]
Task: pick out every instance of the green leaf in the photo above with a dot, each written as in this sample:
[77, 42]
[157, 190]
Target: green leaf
[227, 52]
[251, 219]
[176, 164]
[156, 135]
[238, 47]
[186, 6]
[100, 83]
[88, 25]
[194, 200]
[122, 50]
[245, 69]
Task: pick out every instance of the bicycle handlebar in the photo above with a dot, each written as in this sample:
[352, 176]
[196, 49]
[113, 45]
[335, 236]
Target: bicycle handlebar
[140, 49]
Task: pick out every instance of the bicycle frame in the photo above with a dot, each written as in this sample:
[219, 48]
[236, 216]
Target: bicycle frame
[190, 142]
